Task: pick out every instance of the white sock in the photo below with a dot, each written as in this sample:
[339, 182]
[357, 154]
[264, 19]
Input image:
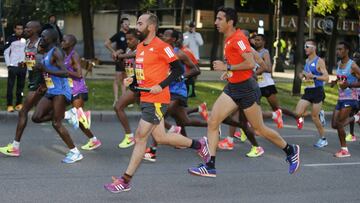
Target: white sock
[67, 115]
[130, 134]
[356, 117]
[230, 139]
[93, 138]
[344, 148]
[16, 144]
[273, 115]
[75, 150]
[199, 109]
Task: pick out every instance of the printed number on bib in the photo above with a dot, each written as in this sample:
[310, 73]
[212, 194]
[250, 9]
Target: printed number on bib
[71, 82]
[139, 71]
[260, 78]
[48, 81]
[309, 83]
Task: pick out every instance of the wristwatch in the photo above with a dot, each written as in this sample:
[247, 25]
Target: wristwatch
[228, 66]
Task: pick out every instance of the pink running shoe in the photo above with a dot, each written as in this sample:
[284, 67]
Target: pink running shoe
[278, 119]
[118, 185]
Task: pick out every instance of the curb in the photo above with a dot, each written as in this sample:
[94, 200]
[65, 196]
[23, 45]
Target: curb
[100, 116]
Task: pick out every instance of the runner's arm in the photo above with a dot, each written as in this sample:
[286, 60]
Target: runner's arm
[75, 60]
[322, 69]
[194, 69]
[176, 72]
[59, 62]
[247, 64]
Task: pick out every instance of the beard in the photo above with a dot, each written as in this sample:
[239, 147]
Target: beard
[142, 35]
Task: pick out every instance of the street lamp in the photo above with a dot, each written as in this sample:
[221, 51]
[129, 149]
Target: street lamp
[261, 27]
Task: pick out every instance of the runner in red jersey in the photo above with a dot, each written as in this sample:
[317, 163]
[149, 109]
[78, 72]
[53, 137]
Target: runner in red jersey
[154, 60]
[241, 92]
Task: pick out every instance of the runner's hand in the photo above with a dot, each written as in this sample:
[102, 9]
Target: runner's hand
[155, 89]
[127, 81]
[219, 65]
[224, 76]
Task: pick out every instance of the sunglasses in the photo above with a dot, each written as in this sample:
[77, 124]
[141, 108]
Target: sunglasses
[308, 46]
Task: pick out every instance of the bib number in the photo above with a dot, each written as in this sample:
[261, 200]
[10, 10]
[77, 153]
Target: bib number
[48, 81]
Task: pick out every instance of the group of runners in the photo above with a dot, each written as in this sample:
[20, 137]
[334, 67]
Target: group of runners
[157, 71]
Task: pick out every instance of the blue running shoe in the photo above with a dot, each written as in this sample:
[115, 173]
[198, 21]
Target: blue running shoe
[72, 157]
[294, 159]
[321, 143]
[322, 117]
[203, 170]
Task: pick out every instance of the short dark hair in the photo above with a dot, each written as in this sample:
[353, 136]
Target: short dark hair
[72, 38]
[134, 33]
[18, 24]
[123, 19]
[53, 34]
[262, 37]
[312, 40]
[230, 14]
[346, 45]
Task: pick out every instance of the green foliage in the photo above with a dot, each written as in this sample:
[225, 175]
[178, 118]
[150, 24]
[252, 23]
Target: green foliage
[243, 2]
[151, 4]
[324, 7]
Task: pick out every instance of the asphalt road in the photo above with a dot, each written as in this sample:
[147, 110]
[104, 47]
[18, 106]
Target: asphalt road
[39, 176]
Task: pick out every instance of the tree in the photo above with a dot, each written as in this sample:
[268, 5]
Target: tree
[338, 9]
[87, 26]
[299, 53]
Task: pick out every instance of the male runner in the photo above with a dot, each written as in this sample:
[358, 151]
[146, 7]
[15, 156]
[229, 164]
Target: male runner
[36, 86]
[79, 90]
[130, 96]
[264, 78]
[347, 73]
[153, 58]
[241, 92]
[52, 105]
[314, 76]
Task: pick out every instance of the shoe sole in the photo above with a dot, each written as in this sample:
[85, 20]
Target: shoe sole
[259, 155]
[90, 149]
[124, 147]
[202, 175]
[344, 156]
[151, 160]
[76, 160]
[115, 192]
[316, 146]
[11, 155]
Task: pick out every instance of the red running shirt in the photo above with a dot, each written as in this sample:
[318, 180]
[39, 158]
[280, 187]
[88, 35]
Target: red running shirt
[152, 67]
[235, 46]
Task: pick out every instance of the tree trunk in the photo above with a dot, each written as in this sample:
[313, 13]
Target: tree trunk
[87, 29]
[182, 15]
[118, 18]
[278, 64]
[332, 44]
[299, 55]
[216, 37]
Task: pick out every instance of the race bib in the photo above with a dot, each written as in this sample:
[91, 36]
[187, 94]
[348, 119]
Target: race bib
[30, 60]
[309, 83]
[48, 81]
[260, 78]
[71, 82]
[139, 72]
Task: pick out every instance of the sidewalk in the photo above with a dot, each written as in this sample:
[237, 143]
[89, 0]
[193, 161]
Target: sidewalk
[106, 72]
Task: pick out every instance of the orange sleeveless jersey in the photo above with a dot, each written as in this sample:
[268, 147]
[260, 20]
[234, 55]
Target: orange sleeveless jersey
[152, 67]
[234, 46]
